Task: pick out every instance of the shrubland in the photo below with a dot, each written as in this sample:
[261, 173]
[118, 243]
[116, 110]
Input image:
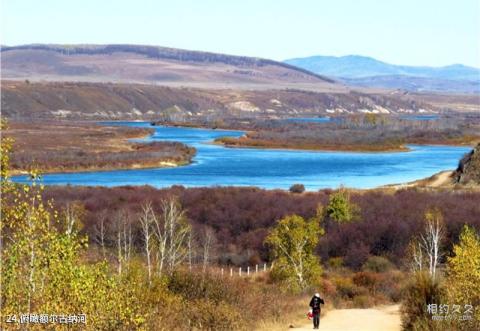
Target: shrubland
[367, 132]
[148, 259]
[241, 218]
[49, 266]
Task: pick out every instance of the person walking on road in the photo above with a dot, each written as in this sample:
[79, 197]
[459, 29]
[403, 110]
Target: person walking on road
[316, 309]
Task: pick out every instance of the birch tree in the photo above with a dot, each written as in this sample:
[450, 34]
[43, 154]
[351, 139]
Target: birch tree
[124, 240]
[292, 244]
[172, 232]
[100, 232]
[208, 242]
[463, 272]
[190, 250]
[415, 253]
[147, 219]
[431, 239]
[73, 213]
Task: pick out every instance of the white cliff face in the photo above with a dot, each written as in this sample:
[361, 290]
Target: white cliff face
[244, 106]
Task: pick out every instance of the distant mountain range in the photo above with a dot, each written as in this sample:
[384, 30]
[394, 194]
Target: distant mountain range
[366, 71]
[144, 64]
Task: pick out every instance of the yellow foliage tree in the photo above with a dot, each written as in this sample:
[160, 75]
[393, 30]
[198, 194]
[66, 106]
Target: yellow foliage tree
[463, 273]
[292, 243]
[42, 271]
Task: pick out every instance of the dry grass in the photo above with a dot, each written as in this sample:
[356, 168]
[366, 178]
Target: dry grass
[306, 145]
[293, 317]
[67, 146]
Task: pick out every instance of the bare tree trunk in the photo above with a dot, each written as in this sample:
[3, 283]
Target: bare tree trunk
[160, 234]
[190, 251]
[100, 234]
[130, 242]
[70, 219]
[296, 261]
[431, 239]
[124, 239]
[31, 282]
[32, 260]
[206, 250]
[146, 221]
[119, 251]
[172, 232]
[416, 253]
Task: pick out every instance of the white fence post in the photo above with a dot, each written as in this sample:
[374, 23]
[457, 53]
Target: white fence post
[256, 268]
[248, 271]
[264, 267]
[240, 271]
[231, 272]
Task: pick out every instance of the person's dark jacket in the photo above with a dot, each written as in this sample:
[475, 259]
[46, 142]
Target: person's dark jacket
[315, 304]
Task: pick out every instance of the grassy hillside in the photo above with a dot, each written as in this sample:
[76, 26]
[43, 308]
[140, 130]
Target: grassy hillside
[150, 64]
[25, 100]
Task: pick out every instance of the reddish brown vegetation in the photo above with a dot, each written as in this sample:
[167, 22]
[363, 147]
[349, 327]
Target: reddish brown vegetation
[357, 133]
[55, 147]
[241, 217]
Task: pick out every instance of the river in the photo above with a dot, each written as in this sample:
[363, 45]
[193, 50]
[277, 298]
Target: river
[269, 168]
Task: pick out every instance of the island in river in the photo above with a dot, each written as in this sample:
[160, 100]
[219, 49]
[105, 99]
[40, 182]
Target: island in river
[215, 165]
[357, 133]
[84, 146]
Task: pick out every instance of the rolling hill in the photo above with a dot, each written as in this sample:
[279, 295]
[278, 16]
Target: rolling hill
[368, 72]
[150, 82]
[153, 65]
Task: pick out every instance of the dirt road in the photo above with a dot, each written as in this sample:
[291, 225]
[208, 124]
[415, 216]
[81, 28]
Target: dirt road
[441, 179]
[386, 318]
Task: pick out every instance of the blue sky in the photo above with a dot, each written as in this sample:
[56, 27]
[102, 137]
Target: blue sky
[411, 32]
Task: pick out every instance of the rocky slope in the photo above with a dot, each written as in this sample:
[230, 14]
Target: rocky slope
[468, 171]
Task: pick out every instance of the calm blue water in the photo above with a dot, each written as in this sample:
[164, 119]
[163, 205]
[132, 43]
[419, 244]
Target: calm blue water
[217, 165]
[325, 119]
[421, 117]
